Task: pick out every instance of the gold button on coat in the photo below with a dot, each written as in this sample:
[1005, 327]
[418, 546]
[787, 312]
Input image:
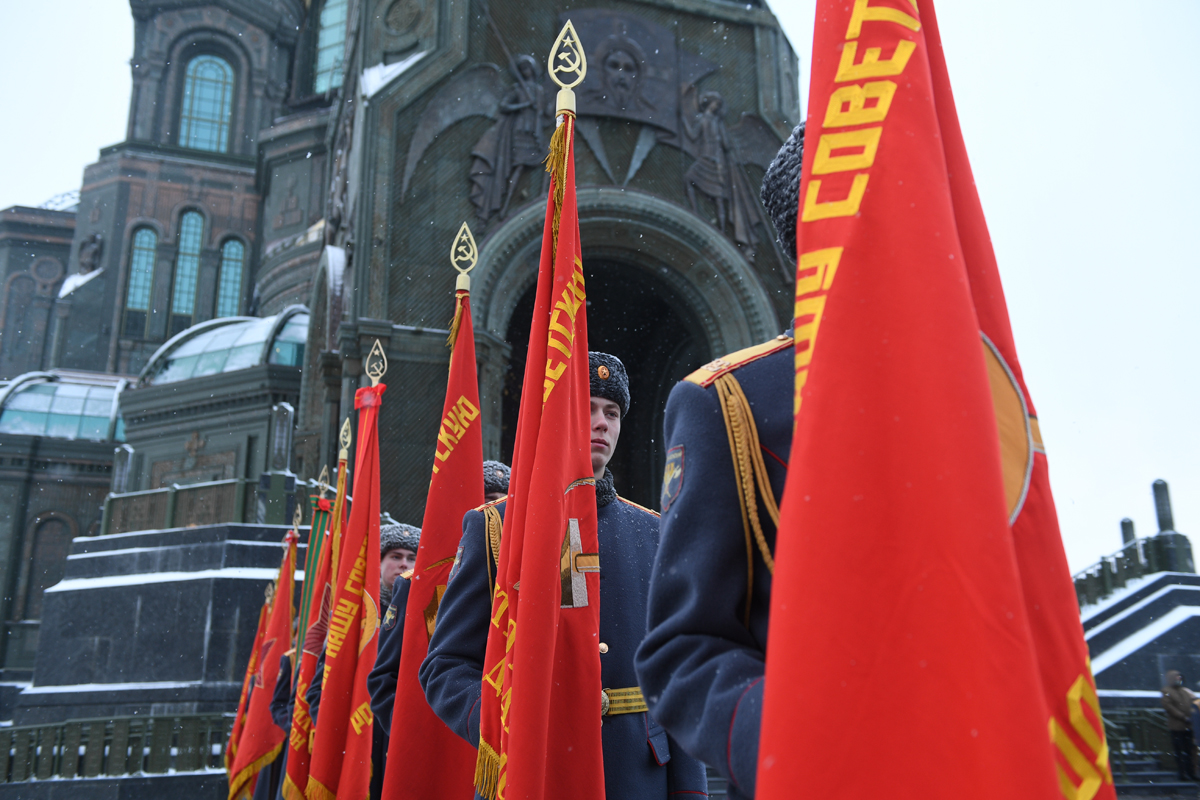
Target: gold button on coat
[603, 647]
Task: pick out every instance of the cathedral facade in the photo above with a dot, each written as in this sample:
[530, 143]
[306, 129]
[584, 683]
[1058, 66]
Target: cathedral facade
[296, 170]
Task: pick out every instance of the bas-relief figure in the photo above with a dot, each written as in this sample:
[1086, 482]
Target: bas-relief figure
[515, 143]
[637, 74]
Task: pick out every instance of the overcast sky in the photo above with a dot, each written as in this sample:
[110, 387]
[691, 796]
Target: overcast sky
[1081, 126]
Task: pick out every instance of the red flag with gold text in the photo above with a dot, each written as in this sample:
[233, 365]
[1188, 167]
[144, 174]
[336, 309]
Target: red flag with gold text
[239, 720]
[318, 589]
[426, 758]
[262, 740]
[540, 720]
[341, 750]
[895, 518]
[1076, 727]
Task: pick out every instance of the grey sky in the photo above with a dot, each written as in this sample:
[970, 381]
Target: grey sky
[1081, 130]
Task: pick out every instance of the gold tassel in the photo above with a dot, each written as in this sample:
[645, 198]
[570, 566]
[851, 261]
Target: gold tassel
[556, 165]
[454, 323]
[487, 771]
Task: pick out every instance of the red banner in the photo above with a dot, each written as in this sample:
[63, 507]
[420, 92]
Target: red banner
[318, 592]
[1076, 727]
[895, 520]
[540, 721]
[425, 758]
[262, 740]
[341, 748]
[239, 720]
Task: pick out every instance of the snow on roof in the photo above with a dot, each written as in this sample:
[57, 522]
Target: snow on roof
[75, 280]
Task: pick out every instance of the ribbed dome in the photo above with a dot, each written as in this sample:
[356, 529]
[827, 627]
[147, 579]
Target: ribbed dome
[229, 344]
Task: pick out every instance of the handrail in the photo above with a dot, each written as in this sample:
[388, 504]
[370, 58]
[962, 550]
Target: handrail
[91, 748]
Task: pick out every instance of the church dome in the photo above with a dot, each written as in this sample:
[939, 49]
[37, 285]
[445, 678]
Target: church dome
[63, 405]
[229, 344]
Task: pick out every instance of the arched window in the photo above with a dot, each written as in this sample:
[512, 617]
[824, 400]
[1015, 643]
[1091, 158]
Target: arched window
[207, 104]
[187, 267]
[141, 276]
[331, 46]
[229, 285]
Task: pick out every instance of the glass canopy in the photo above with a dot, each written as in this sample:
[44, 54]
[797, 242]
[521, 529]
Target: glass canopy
[229, 344]
[43, 404]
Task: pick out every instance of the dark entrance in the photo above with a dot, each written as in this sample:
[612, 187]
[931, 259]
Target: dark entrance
[637, 317]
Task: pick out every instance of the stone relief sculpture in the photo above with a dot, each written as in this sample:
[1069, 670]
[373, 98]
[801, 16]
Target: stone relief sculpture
[515, 143]
[721, 155]
[90, 250]
[640, 76]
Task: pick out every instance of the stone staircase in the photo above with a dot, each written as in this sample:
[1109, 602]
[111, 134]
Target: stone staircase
[1144, 775]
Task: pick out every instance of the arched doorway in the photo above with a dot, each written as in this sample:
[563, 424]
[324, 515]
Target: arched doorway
[666, 293]
[639, 318]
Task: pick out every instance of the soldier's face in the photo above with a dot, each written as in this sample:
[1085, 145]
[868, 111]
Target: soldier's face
[394, 564]
[606, 429]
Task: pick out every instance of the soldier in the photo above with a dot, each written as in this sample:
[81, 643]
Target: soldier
[399, 539]
[728, 431]
[639, 762]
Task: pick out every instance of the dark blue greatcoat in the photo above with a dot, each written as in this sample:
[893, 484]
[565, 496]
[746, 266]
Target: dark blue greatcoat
[381, 682]
[639, 764]
[700, 666]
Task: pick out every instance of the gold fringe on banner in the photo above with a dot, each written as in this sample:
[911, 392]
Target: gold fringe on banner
[487, 771]
[556, 165]
[290, 790]
[318, 791]
[239, 782]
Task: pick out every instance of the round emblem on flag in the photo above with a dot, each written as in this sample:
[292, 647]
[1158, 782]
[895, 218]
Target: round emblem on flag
[1014, 428]
[603, 372]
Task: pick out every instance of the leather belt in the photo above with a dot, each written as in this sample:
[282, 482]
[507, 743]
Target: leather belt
[622, 701]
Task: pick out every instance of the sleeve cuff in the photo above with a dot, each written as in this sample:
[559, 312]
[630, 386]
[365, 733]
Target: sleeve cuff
[742, 752]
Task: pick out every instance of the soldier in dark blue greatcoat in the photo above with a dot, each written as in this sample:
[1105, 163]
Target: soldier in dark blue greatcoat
[640, 763]
[728, 432]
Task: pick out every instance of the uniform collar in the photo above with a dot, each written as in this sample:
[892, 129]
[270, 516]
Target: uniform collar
[605, 491]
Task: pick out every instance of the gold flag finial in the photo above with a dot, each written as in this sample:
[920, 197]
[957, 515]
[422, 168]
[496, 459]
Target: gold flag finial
[297, 518]
[376, 363]
[567, 66]
[323, 480]
[464, 255]
[344, 440]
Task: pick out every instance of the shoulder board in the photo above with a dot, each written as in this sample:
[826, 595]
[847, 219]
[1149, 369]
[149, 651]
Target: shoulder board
[718, 367]
[495, 502]
[635, 505]
[407, 575]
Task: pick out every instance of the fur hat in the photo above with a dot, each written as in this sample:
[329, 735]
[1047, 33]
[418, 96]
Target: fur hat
[495, 477]
[397, 535]
[609, 379]
[781, 189]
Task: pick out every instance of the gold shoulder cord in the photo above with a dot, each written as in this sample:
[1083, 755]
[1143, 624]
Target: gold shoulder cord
[493, 525]
[748, 469]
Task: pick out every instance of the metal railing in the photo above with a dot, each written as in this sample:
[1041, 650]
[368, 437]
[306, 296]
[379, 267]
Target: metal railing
[1165, 552]
[90, 748]
[208, 503]
[1137, 733]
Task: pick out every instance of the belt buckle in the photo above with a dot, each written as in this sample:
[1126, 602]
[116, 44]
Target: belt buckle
[605, 705]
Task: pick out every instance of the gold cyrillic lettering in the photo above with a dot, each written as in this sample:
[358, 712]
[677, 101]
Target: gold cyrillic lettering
[856, 98]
